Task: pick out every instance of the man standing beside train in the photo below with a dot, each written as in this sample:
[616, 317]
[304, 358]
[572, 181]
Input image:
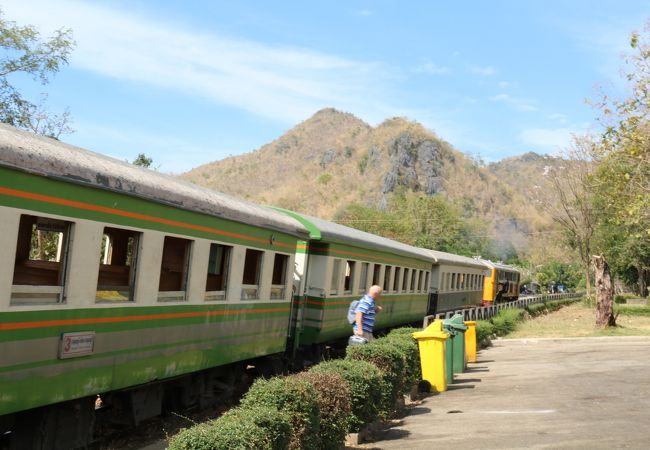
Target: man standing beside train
[365, 313]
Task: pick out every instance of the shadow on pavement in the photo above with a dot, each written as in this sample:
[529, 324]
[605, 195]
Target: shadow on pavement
[456, 387]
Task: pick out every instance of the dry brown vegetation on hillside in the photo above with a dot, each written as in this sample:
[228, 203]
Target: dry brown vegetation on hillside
[334, 159]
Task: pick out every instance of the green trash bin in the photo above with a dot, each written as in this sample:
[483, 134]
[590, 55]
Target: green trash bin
[449, 352]
[456, 327]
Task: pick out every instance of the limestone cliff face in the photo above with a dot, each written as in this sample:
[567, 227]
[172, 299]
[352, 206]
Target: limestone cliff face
[334, 159]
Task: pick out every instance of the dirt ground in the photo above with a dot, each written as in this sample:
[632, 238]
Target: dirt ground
[578, 320]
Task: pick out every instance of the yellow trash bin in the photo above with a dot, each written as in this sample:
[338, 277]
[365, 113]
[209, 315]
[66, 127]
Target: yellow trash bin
[470, 341]
[431, 342]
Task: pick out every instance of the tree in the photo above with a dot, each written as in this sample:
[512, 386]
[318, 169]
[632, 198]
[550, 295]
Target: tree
[142, 160]
[604, 294]
[624, 174]
[24, 52]
[571, 206]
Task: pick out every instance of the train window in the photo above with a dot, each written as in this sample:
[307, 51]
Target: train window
[376, 274]
[279, 278]
[420, 280]
[40, 265]
[251, 278]
[363, 279]
[453, 281]
[336, 276]
[349, 277]
[387, 275]
[426, 281]
[414, 274]
[117, 267]
[218, 265]
[397, 279]
[405, 280]
[174, 269]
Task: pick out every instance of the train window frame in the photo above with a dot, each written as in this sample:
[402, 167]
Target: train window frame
[335, 277]
[363, 278]
[388, 272]
[251, 291]
[130, 253]
[414, 278]
[220, 263]
[376, 274]
[397, 280]
[279, 286]
[405, 279]
[167, 265]
[348, 276]
[27, 268]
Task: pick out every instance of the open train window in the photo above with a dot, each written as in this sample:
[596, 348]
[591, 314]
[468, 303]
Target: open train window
[349, 277]
[41, 257]
[405, 281]
[426, 281]
[336, 274]
[396, 280]
[117, 266]
[363, 280]
[414, 274]
[420, 280]
[387, 275]
[376, 273]
[251, 279]
[279, 278]
[218, 265]
[174, 269]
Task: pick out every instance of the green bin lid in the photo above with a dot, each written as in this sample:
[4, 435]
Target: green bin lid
[455, 323]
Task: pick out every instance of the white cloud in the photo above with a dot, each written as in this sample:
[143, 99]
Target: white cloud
[431, 68]
[561, 118]
[483, 71]
[282, 83]
[548, 140]
[503, 84]
[517, 103]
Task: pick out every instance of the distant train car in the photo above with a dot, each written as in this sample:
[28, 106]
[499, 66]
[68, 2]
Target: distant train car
[112, 277]
[456, 282]
[501, 283]
[338, 264]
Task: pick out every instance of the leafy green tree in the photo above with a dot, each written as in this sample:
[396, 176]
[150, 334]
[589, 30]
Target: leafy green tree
[143, 160]
[623, 178]
[24, 52]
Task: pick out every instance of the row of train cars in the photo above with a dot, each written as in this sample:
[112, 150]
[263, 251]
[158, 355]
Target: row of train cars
[128, 289]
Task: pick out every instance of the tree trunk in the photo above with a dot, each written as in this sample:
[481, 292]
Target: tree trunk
[643, 290]
[604, 294]
[588, 279]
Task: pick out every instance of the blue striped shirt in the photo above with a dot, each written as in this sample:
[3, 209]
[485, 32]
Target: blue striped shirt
[367, 308]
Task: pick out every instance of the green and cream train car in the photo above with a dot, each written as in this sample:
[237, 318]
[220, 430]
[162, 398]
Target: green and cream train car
[338, 264]
[456, 282]
[113, 276]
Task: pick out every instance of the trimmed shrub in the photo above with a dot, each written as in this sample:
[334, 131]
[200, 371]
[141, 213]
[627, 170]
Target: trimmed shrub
[390, 362]
[411, 352]
[484, 331]
[365, 386]
[506, 321]
[334, 404]
[240, 428]
[620, 299]
[293, 396]
[536, 309]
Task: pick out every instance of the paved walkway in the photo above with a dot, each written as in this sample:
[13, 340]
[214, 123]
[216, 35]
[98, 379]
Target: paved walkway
[577, 393]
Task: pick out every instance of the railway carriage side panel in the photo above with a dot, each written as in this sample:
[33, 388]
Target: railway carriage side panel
[168, 299]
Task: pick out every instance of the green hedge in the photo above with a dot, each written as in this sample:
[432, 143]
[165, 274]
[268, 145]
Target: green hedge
[295, 397]
[333, 398]
[506, 321]
[391, 364]
[402, 338]
[365, 385]
[258, 427]
[484, 331]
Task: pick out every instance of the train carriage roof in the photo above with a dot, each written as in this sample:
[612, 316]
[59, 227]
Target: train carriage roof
[323, 230]
[500, 266]
[456, 260]
[51, 158]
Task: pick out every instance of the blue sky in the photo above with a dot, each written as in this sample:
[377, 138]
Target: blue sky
[192, 82]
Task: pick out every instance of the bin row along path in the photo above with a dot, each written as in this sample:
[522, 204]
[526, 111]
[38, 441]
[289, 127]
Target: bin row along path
[578, 393]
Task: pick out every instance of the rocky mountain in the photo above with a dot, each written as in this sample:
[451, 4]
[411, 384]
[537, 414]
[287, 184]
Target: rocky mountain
[334, 159]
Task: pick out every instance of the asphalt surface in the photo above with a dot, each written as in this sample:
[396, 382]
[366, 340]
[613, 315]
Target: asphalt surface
[575, 393]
